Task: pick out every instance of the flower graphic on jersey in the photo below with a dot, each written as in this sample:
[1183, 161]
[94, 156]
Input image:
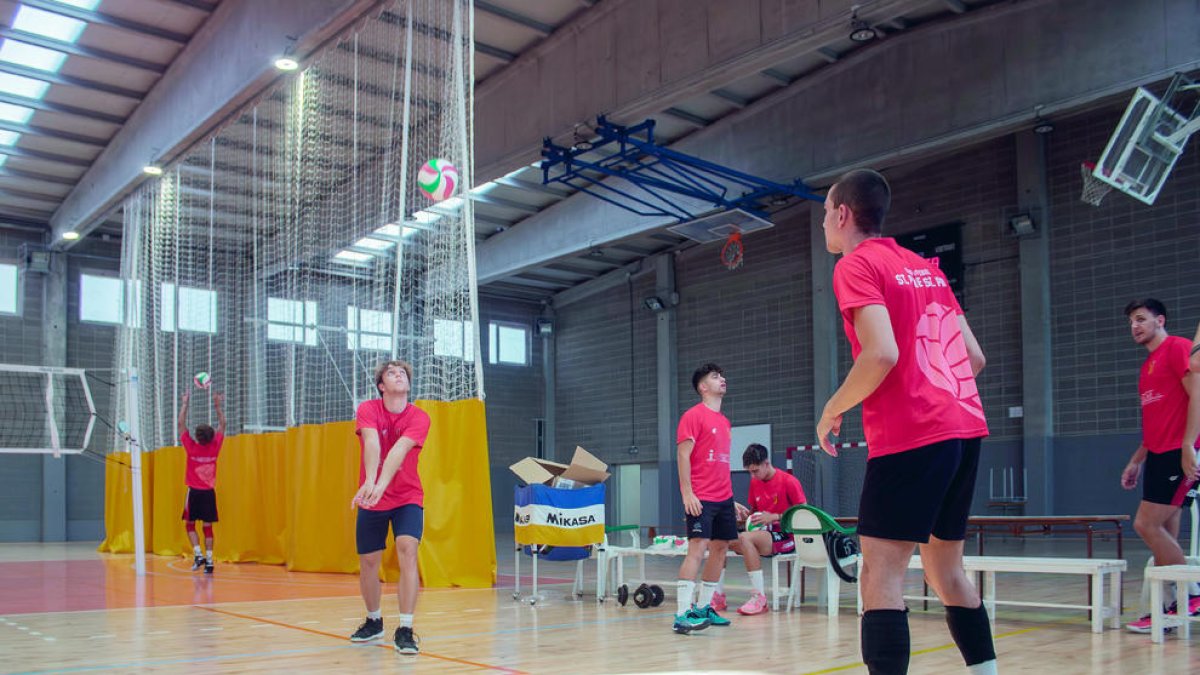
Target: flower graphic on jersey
[207, 472]
[942, 357]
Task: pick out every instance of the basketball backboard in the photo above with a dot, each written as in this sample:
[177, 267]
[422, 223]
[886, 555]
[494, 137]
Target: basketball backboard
[720, 225]
[1149, 139]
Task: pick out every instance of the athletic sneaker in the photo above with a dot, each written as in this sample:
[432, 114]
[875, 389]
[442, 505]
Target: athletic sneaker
[208, 567]
[406, 640]
[1194, 605]
[711, 614]
[371, 629]
[757, 604]
[718, 601]
[689, 621]
[1143, 624]
[197, 563]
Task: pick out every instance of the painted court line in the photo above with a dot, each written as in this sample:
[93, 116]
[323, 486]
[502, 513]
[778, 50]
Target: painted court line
[127, 667]
[451, 659]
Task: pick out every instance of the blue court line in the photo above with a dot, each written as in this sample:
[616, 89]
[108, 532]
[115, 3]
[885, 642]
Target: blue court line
[175, 662]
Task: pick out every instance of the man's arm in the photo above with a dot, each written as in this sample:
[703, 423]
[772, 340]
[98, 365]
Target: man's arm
[879, 354]
[974, 351]
[1129, 477]
[183, 414]
[391, 465]
[218, 404]
[370, 459]
[1191, 384]
[1194, 363]
[684, 456]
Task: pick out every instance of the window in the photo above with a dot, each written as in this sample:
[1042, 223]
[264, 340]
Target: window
[9, 289]
[453, 338]
[197, 310]
[100, 299]
[292, 321]
[508, 343]
[368, 329]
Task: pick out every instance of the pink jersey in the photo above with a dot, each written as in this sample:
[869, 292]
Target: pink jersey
[1164, 400]
[712, 433]
[411, 423]
[930, 394]
[201, 461]
[776, 495]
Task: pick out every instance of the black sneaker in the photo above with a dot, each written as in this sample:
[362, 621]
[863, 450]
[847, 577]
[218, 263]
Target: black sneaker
[371, 629]
[406, 640]
[208, 567]
[197, 562]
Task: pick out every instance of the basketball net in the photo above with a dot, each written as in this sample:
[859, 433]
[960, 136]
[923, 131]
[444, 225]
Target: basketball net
[731, 252]
[1094, 189]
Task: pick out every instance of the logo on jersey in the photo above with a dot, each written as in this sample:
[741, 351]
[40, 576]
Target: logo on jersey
[1150, 397]
[943, 359]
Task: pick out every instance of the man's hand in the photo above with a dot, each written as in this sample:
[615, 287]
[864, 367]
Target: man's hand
[187, 396]
[372, 498]
[692, 505]
[218, 399]
[360, 497]
[829, 424]
[1190, 471]
[1129, 477]
[741, 511]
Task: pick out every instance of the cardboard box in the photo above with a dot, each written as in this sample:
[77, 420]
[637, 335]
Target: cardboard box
[584, 470]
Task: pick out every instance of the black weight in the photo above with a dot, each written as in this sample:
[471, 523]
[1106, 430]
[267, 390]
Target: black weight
[643, 597]
[657, 595]
[623, 595]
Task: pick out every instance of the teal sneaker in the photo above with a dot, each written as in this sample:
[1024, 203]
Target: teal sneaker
[689, 621]
[714, 619]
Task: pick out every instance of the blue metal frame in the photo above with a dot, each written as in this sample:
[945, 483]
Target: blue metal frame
[652, 173]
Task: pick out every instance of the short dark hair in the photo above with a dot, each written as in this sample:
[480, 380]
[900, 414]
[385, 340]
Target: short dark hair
[867, 193]
[382, 369]
[702, 372]
[756, 453]
[204, 434]
[1153, 306]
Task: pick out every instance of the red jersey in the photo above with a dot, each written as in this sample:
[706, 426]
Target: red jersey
[712, 433]
[930, 394]
[201, 461]
[411, 423]
[776, 495]
[1164, 400]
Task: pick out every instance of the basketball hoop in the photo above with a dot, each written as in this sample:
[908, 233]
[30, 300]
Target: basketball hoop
[731, 252]
[1094, 189]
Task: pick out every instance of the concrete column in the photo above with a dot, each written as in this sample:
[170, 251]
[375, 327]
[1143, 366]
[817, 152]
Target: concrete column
[54, 353]
[825, 332]
[670, 508]
[1037, 366]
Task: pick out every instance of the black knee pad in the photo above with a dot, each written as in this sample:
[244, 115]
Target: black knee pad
[972, 632]
[885, 641]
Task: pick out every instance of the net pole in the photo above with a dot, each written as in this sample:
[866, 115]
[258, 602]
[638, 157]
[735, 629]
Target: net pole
[135, 466]
[403, 210]
[466, 120]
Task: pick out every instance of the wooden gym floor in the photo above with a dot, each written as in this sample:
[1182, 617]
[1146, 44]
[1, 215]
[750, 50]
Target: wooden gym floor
[66, 609]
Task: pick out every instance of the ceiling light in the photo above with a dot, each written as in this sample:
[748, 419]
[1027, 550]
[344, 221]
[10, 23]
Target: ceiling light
[1043, 127]
[70, 235]
[31, 56]
[152, 170]
[374, 244]
[25, 87]
[389, 230]
[425, 217]
[352, 256]
[8, 137]
[48, 24]
[82, 4]
[18, 114]
[860, 31]
[286, 63]
[410, 231]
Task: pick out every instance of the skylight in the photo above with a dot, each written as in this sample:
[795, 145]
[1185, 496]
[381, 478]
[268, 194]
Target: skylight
[81, 4]
[25, 87]
[352, 256]
[15, 113]
[373, 244]
[3, 159]
[425, 217]
[48, 24]
[8, 137]
[31, 56]
[389, 230]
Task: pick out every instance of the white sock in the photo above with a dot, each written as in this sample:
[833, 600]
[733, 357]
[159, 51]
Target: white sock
[721, 583]
[208, 557]
[406, 620]
[196, 549]
[985, 668]
[756, 580]
[377, 614]
[685, 591]
[1193, 589]
[707, 588]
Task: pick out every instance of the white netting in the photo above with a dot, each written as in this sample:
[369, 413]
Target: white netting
[230, 260]
[1094, 189]
[45, 410]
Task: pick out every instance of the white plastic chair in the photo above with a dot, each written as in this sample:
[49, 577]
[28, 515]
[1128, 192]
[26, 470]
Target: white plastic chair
[808, 525]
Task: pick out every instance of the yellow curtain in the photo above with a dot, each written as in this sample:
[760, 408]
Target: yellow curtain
[285, 498]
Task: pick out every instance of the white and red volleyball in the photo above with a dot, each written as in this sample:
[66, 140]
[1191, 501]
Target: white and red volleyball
[437, 179]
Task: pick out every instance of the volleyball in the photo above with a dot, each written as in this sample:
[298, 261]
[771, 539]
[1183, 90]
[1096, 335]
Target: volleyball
[751, 525]
[202, 380]
[437, 179]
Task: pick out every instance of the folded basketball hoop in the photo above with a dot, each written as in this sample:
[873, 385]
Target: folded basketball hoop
[1094, 189]
[731, 252]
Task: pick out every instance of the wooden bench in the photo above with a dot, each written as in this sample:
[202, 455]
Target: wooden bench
[1181, 575]
[1096, 569]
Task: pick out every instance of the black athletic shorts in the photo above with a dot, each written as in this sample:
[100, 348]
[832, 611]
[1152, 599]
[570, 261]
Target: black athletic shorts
[1162, 482]
[200, 505]
[717, 520]
[927, 490]
[371, 531]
